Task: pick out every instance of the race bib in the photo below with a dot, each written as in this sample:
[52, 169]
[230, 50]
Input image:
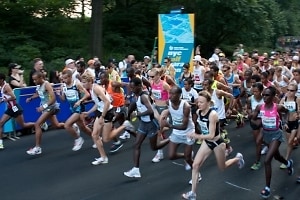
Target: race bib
[15, 108]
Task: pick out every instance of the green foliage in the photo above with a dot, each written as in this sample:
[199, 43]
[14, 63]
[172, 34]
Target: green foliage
[35, 28]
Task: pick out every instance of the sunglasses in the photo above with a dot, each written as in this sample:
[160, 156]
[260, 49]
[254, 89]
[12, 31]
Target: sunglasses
[266, 95]
[291, 90]
[151, 76]
[225, 71]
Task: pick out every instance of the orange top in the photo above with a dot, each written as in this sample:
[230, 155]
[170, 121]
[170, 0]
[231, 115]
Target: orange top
[117, 97]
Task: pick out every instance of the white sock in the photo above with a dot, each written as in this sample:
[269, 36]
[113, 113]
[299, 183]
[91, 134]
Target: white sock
[160, 151]
[136, 168]
[1, 141]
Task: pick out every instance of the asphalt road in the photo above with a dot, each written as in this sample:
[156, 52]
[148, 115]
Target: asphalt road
[59, 173]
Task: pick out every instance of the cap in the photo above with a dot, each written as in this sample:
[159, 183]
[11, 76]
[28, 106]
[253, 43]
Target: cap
[91, 62]
[197, 58]
[14, 66]
[147, 57]
[69, 61]
[296, 58]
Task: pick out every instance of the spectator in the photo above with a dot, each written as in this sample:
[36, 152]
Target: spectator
[15, 76]
[38, 64]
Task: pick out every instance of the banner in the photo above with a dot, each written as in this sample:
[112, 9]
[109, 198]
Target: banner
[176, 39]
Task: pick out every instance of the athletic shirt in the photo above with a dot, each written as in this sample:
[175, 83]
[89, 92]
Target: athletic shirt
[189, 96]
[177, 119]
[281, 83]
[291, 105]
[142, 108]
[219, 105]
[203, 122]
[72, 93]
[44, 95]
[214, 85]
[198, 78]
[270, 118]
[254, 104]
[158, 91]
[10, 104]
[118, 98]
[98, 101]
[235, 90]
[247, 89]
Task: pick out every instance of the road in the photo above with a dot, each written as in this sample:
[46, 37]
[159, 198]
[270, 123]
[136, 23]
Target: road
[59, 173]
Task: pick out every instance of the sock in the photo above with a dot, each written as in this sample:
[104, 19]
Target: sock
[136, 168]
[1, 141]
[160, 151]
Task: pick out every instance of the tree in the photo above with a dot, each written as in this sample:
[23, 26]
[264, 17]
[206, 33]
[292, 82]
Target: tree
[97, 29]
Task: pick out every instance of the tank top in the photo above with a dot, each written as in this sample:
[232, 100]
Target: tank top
[44, 95]
[198, 78]
[247, 89]
[10, 104]
[72, 93]
[281, 83]
[98, 101]
[177, 119]
[230, 81]
[142, 108]
[291, 105]
[118, 98]
[219, 105]
[158, 91]
[270, 118]
[203, 122]
[254, 104]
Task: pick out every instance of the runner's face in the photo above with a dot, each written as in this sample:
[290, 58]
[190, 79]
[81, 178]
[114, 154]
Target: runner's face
[202, 103]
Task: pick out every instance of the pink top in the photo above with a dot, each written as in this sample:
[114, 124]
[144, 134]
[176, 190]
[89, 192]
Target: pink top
[270, 118]
[158, 91]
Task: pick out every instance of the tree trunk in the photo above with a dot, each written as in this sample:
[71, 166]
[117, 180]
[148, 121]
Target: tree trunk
[97, 29]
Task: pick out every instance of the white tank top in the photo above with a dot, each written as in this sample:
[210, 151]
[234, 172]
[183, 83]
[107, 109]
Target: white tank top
[142, 108]
[219, 105]
[98, 101]
[177, 119]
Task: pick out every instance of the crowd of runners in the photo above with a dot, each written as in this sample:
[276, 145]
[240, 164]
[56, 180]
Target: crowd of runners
[260, 90]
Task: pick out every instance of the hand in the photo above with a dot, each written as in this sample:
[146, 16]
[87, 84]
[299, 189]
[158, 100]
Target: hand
[40, 109]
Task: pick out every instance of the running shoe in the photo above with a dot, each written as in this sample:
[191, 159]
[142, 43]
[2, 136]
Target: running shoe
[189, 195]
[34, 151]
[115, 147]
[128, 126]
[265, 193]
[1, 146]
[125, 135]
[78, 144]
[241, 161]
[264, 150]
[94, 146]
[290, 167]
[187, 167]
[44, 126]
[199, 179]
[158, 157]
[133, 173]
[282, 166]
[256, 166]
[100, 160]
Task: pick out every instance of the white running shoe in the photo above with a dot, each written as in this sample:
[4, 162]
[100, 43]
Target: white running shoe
[100, 160]
[133, 173]
[125, 135]
[189, 195]
[78, 144]
[158, 157]
[94, 146]
[34, 151]
[264, 150]
[199, 179]
[44, 126]
[241, 162]
[76, 128]
[128, 126]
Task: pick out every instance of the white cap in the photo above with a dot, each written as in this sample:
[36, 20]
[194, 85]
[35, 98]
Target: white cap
[197, 58]
[68, 61]
[296, 58]
[147, 57]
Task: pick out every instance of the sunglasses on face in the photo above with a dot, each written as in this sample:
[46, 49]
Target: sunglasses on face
[266, 95]
[151, 76]
[291, 90]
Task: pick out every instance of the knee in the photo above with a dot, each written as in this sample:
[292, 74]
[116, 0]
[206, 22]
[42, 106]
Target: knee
[172, 156]
[196, 166]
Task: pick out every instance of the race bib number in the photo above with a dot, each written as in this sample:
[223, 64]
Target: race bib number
[269, 122]
[156, 94]
[203, 127]
[177, 122]
[15, 108]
